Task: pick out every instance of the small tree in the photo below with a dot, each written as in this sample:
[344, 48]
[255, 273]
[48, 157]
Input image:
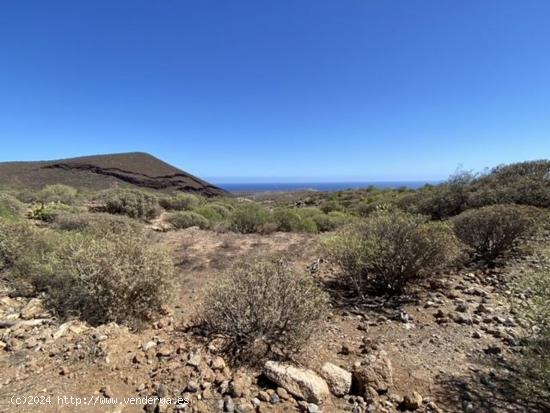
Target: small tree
[264, 304]
[388, 250]
[492, 230]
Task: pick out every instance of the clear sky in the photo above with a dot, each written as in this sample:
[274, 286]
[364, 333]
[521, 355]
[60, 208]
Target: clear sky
[301, 89]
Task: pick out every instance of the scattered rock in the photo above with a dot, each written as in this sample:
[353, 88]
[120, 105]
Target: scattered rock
[412, 401]
[302, 383]
[338, 379]
[376, 372]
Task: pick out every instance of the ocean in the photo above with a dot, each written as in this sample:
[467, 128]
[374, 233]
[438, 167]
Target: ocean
[316, 186]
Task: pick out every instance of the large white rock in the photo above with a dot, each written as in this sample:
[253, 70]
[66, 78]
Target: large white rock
[302, 383]
[338, 379]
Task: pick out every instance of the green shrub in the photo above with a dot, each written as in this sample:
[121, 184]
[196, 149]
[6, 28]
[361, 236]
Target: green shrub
[296, 219]
[339, 218]
[388, 250]
[180, 202]
[210, 212]
[130, 202]
[186, 219]
[492, 230]
[57, 193]
[49, 212]
[264, 305]
[27, 251]
[323, 222]
[524, 183]
[534, 291]
[97, 277]
[99, 223]
[442, 201]
[223, 210]
[10, 207]
[110, 278]
[331, 205]
[249, 218]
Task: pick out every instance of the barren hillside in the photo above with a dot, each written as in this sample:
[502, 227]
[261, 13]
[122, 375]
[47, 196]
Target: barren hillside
[105, 171]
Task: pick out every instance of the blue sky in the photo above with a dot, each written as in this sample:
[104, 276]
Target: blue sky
[295, 90]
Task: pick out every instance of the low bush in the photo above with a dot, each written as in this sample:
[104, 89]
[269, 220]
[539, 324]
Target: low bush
[331, 205]
[388, 250]
[213, 213]
[180, 202]
[28, 252]
[186, 219]
[97, 277]
[324, 222]
[224, 210]
[99, 223]
[264, 305]
[110, 278]
[534, 291]
[290, 220]
[249, 218]
[441, 201]
[57, 193]
[492, 230]
[524, 183]
[130, 202]
[49, 212]
[10, 207]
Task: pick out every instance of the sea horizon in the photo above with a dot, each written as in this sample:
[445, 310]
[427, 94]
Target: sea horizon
[236, 187]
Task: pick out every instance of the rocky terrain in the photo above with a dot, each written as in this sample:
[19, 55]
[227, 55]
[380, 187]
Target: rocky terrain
[448, 346]
[105, 171]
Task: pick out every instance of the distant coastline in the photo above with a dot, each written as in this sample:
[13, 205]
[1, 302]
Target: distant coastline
[317, 186]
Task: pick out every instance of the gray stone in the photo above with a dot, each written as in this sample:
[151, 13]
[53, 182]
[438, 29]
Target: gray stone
[300, 382]
[338, 379]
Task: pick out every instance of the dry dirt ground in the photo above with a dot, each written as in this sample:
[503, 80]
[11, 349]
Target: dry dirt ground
[453, 341]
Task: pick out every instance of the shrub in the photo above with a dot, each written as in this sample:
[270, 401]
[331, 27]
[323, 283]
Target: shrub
[180, 202]
[110, 278]
[264, 304]
[210, 212]
[331, 205]
[492, 230]
[10, 207]
[97, 277]
[27, 251]
[442, 201]
[249, 218]
[131, 202]
[290, 220]
[534, 291]
[11, 235]
[324, 222]
[99, 223]
[525, 183]
[49, 212]
[339, 218]
[223, 210]
[186, 219]
[57, 193]
[388, 250]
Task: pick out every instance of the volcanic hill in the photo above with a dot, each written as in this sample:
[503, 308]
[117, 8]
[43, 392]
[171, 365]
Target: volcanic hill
[105, 171]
